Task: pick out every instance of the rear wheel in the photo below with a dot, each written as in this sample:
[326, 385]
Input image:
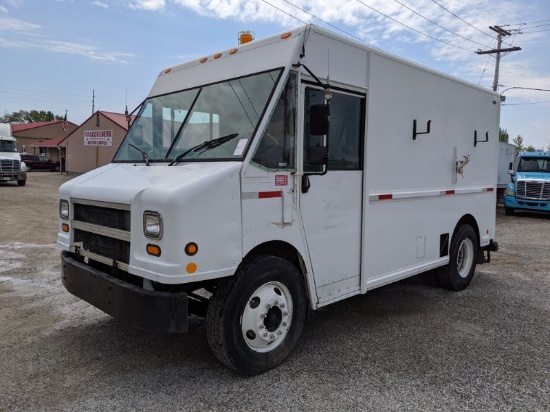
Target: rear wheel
[255, 317]
[458, 274]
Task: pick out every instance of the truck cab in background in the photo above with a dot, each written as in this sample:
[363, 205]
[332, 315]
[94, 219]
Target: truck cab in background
[530, 186]
[11, 166]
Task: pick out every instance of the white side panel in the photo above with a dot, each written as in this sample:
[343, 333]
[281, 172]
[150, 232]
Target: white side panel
[412, 190]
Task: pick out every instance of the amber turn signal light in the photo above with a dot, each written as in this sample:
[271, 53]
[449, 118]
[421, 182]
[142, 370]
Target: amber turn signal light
[191, 249]
[153, 250]
[65, 227]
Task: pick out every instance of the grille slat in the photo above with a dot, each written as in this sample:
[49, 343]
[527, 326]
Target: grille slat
[530, 189]
[103, 230]
[9, 166]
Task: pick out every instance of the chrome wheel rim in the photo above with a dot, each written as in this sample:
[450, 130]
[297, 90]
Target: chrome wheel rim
[267, 317]
[465, 257]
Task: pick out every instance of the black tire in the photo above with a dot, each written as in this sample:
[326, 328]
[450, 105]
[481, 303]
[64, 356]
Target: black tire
[55, 169]
[21, 182]
[509, 211]
[458, 274]
[256, 317]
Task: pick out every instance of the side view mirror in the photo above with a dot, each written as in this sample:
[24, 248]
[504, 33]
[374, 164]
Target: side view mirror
[319, 119]
[511, 169]
[317, 155]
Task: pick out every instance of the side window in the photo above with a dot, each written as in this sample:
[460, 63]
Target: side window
[346, 132]
[277, 147]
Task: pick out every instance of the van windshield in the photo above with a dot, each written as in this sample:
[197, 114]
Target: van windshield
[213, 122]
[8, 146]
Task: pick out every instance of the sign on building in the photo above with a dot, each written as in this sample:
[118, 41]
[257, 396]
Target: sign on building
[98, 137]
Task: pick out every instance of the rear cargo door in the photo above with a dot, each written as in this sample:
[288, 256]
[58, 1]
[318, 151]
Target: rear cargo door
[331, 196]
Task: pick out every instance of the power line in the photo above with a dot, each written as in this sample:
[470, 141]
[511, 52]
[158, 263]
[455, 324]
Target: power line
[324, 21]
[281, 10]
[413, 29]
[522, 24]
[438, 25]
[461, 19]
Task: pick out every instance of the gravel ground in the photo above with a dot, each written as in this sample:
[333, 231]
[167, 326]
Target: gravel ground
[407, 346]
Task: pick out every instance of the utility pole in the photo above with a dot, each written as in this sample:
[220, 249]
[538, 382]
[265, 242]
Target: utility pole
[500, 34]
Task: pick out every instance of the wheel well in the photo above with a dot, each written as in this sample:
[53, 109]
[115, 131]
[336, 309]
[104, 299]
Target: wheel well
[280, 249]
[468, 220]
[285, 251]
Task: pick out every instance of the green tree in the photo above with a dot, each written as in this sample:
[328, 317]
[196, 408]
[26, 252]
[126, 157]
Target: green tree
[503, 135]
[32, 116]
[518, 142]
[530, 148]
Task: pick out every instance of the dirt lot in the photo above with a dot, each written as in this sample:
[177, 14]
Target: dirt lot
[407, 346]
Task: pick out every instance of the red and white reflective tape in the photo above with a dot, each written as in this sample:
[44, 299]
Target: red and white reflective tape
[262, 195]
[427, 193]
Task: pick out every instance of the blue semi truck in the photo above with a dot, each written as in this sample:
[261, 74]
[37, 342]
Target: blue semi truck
[530, 186]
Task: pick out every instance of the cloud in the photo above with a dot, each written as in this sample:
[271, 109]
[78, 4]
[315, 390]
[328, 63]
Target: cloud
[10, 24]
[100, 4]
[85, 50]
[150, 5]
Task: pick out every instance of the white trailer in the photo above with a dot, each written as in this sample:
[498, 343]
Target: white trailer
[272, 179]
[506, 155]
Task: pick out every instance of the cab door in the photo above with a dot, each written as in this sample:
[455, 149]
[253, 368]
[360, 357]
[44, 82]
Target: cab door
[331, 195]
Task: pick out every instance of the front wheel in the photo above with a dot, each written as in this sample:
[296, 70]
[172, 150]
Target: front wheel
[255, 317]
[458, 274]
[21, 182]
[509, 211]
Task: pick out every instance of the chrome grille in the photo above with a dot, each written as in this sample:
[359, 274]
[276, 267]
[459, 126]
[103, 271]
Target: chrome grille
[9, 166]
[102, 231]
[533, 189]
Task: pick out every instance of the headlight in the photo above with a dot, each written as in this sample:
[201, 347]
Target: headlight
[23, 167]
[63, 209]
[152, 224]
[509, 192]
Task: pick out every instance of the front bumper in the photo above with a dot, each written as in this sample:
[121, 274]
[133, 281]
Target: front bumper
[150, 310]
[6, 176]
[526, 204]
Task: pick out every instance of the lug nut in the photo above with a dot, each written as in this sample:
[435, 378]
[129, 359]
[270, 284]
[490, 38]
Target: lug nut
[261, 327]
[265, 335]
[285, 313]
[268, 306]
[272, 337]
[284, 323]
[282, 305]
[280, 332]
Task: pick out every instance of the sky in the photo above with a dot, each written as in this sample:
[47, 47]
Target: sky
[62, 55]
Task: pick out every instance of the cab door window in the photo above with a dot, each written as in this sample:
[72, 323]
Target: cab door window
[277, 146]
[346, 132]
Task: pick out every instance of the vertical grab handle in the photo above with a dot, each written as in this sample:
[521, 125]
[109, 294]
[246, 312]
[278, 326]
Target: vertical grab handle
[415, 133]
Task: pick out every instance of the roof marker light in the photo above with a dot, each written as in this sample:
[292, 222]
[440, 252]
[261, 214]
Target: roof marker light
[217, 55]
[168, 70]
[233, 51]
[286, 35]
[203, 59]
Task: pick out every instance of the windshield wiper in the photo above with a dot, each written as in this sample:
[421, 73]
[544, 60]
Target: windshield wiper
[204, 146]
[143, 154]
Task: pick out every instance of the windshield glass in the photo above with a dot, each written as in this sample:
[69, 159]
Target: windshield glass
[214, 122]
[534, 164]
[8, 146]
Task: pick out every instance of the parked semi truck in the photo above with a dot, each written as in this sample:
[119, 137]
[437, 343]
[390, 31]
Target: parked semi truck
[530, 186]
[11, 166]
[263, 182]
